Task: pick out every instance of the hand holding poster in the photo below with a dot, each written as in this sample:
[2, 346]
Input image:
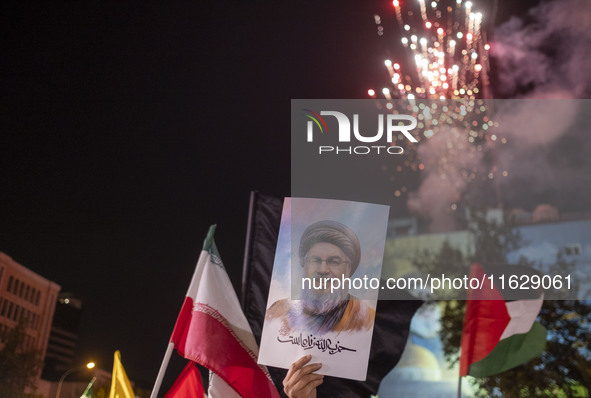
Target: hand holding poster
[320, 302]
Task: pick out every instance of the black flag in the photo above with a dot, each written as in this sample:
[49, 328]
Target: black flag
[392, 322]
[261, 238]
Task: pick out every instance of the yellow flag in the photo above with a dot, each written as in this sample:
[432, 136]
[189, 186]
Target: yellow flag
[120, 385]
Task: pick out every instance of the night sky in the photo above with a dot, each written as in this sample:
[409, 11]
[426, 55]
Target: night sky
[127, 128]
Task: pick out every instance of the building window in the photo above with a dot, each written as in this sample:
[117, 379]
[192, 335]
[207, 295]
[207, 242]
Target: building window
[572, 249]
[10, 308]
[38, 295]
[4, 306]
[10, 281]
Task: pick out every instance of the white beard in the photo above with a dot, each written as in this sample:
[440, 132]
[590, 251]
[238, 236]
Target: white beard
[320, 303]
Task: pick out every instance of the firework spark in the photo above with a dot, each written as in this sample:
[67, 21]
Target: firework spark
[446, 87]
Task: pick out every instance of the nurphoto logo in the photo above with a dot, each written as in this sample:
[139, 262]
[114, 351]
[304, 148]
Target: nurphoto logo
[392, 125]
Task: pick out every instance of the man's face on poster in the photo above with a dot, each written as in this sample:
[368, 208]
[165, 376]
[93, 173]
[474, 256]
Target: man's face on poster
[328, 250]
[325, 260]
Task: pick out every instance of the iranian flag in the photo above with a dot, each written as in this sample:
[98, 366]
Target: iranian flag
[212, 331]
[188, 384]
[500, 329]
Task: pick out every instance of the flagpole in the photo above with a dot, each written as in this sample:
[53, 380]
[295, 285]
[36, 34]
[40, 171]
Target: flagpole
[459, 386]
[247, 248]
[162, 370]
[190, 293]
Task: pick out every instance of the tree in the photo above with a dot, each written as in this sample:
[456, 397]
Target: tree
[19, 366]
[451, 262]
[566, 362]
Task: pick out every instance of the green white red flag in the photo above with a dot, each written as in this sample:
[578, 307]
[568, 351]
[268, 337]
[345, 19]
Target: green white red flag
[212, 331]
[188, 385]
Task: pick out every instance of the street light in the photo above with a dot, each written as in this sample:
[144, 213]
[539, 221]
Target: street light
[89, 365]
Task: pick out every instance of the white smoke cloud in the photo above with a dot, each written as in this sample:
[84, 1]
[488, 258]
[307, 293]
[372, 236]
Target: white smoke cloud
[534, 123]
[550, 53]
[447, 156]
[545, 56]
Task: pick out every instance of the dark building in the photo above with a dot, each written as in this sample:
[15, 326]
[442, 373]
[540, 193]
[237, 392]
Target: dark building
[27, 297]
[63, 336]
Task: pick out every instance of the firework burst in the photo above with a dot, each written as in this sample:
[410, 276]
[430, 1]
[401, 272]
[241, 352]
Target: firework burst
[444, 82]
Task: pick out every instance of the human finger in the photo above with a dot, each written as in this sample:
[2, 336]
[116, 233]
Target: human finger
[297, 365]
[303, 386]
[301, 372]
[311, 386]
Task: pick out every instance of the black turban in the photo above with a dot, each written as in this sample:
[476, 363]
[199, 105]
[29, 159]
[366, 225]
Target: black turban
[335, 233]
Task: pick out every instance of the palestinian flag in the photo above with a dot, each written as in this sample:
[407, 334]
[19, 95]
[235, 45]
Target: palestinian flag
[500, 331]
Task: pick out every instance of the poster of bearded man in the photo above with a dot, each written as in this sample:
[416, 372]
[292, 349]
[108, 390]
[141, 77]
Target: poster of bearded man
[324, 286]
